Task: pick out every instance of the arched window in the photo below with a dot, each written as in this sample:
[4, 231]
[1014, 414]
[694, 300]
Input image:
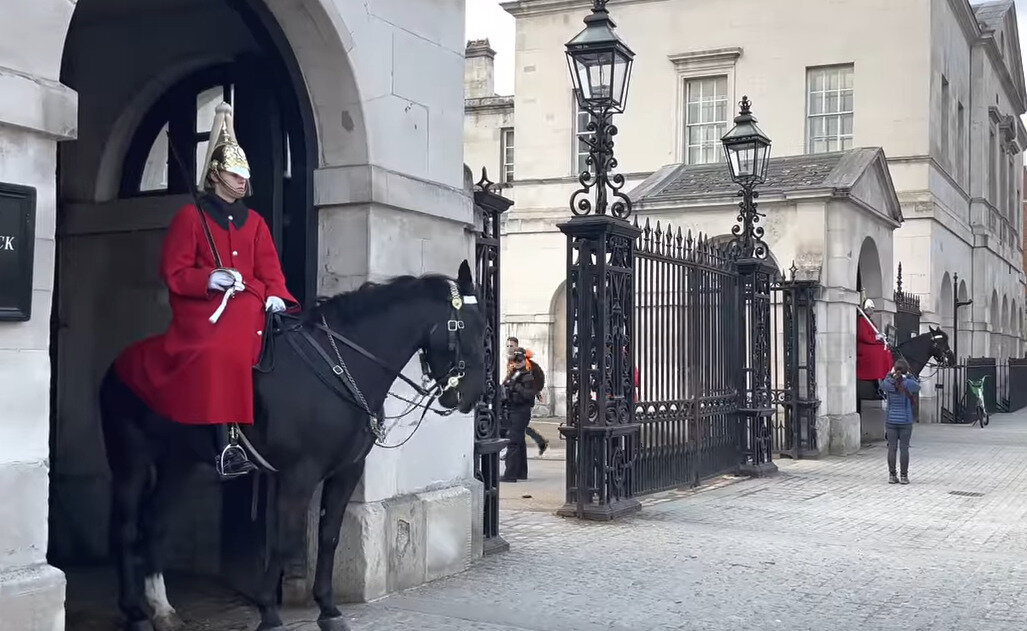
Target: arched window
[185, 114]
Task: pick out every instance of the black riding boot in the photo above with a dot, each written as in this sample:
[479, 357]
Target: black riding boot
[230, 461]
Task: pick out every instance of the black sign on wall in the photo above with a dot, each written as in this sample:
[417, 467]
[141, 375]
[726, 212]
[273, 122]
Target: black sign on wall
[17, 241]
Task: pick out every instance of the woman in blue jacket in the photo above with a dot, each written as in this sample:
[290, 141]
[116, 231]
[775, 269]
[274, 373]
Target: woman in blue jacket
[900, 388]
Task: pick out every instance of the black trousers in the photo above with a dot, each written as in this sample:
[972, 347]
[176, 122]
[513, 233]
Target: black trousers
[898, 439]
[518, 417]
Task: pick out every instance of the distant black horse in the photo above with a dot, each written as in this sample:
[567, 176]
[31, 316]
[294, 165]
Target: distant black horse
[919, 350]
[303, 428]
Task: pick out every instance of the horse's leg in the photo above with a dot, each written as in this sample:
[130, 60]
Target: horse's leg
[154, 527]
[334, 497]
[128, 492]
[293, 499]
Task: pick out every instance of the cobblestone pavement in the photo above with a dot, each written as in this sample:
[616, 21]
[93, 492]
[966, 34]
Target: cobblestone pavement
[825, 544]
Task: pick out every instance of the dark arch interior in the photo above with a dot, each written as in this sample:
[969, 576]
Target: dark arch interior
[143, 69]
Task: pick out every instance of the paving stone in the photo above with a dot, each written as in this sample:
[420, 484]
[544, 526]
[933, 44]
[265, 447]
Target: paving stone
[825, 544]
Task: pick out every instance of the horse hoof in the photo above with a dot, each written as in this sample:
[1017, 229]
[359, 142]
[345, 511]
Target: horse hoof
[337, 623]
[168, 622]
[139, 625]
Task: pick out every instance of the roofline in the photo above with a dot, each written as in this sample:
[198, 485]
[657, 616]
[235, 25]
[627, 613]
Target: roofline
[712, 200]
[526, 8]
[967, 19]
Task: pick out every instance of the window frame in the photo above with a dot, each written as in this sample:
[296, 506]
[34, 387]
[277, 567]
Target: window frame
[507, 166]
[701, 64]
[578, 157]
[176, 108]
[840, 137]
[726, 123]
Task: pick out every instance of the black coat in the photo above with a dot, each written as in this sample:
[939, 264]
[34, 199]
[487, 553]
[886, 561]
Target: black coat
[520, 389]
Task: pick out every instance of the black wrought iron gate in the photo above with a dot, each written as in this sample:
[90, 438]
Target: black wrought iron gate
[488, 208]
[907, 312]
[794, 365]
[687, 359]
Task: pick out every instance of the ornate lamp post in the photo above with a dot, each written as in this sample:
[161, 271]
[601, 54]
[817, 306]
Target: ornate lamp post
[601, 434]
[748, 154]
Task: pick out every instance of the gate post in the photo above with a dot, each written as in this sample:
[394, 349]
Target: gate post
[601, 432]
[756, 409]
[489, 207]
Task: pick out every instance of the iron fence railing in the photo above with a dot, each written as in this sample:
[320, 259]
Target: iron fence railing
[686, 356]
[1005, 387]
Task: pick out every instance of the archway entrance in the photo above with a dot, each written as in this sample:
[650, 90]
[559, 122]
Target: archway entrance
[146, 72]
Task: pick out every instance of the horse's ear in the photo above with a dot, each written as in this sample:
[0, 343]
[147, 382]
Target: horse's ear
[464, 280]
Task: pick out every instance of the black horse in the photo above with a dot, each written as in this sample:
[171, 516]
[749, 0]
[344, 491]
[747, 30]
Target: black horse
[303, 427]
[919, 350]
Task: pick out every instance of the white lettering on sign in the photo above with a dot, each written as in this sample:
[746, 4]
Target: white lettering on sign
[6, 243]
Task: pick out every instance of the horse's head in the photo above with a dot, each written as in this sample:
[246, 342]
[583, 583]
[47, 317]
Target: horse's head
[454, 354]
[939, 347]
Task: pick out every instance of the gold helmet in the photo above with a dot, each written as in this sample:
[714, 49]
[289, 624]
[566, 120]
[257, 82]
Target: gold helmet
[229, 158]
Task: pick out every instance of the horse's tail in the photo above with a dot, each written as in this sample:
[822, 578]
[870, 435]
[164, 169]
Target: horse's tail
[120, 411]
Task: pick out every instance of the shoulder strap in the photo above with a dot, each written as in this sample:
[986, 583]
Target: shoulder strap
[209, 236]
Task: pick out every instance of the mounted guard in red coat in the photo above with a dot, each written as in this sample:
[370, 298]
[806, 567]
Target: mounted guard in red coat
[223, 273]
[873, 359]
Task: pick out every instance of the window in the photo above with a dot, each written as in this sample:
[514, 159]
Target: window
[945, 122]
[507, 154]
[1010, 191]
[581, 121]
[960, 143]
[151, 167]
[830, 108]
[992, 175]
[706, 116]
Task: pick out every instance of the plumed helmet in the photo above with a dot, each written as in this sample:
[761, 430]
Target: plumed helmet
[224, 154]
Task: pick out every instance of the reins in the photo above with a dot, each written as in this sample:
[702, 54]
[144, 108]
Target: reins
[344, 385]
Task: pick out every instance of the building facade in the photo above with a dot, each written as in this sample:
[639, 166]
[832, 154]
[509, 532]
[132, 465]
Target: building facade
[351, 117]
[937, 84]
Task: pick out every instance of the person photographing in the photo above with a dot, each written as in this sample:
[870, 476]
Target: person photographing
[900, 388]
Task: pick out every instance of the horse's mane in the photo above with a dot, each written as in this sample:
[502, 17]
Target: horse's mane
[373, 297]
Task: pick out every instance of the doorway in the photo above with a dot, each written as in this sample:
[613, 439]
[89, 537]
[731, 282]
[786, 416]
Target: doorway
[149, 75]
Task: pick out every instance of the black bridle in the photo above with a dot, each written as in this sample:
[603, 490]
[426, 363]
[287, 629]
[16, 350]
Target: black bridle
[344, 385]
[934, 338]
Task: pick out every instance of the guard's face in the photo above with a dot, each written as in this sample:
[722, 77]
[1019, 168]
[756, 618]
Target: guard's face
[232, 185]
[510, 347]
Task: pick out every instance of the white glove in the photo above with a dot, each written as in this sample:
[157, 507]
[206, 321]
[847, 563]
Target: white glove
[224, 279]
[221, 280]
[275, 304]
[880, 337]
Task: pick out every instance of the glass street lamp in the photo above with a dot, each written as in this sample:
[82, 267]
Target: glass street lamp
[748, 153]
[601, 433]
[600, 64]
[747, 148]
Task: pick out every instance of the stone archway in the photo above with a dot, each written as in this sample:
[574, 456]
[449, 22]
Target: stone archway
[869, 278]
[944, 305]
[557, 379]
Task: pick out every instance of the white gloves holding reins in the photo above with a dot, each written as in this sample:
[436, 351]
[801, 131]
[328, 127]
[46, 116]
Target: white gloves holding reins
[274, 304]
[223, 279]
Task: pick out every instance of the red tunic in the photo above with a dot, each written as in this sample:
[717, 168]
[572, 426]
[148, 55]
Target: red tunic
[198, 372]
[873, 359]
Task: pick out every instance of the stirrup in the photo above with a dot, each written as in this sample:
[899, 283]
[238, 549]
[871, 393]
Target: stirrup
[219, 464]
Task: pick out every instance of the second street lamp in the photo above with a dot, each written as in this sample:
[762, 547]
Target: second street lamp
[748, 154]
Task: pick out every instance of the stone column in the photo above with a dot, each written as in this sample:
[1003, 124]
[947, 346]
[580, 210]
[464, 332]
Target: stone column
[35, 113]
[836, 371]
